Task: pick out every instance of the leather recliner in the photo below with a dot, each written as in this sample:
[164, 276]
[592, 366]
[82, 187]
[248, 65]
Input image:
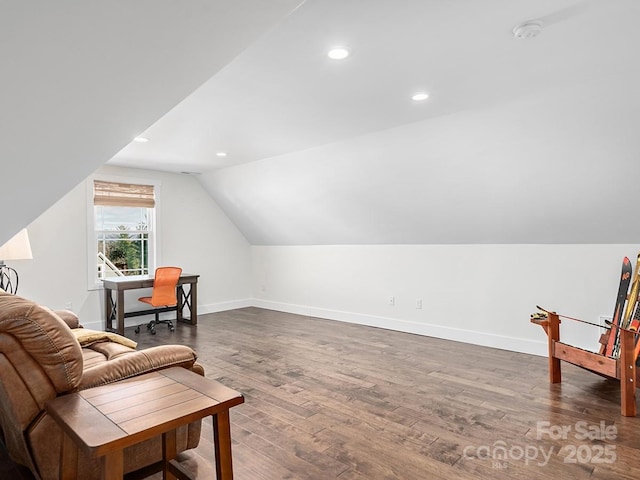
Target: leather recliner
[41, 358]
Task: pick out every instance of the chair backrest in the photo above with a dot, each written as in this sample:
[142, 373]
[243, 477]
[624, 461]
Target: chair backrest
[164, 286]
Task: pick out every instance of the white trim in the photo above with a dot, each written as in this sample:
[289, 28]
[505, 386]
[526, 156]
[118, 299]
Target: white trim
[93, 325]
[513, 344]
[155, 257]
[202, 310]
[502, 342]
[224, 306]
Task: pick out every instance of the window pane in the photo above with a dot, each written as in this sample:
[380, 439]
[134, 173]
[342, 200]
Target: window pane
[121, 218]
[123, 241]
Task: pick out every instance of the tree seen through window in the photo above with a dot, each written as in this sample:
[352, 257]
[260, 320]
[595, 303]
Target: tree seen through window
[123, 241]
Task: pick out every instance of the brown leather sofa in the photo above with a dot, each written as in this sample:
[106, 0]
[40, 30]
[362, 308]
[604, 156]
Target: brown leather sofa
[41, 358]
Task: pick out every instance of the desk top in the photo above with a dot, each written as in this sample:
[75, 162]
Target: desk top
[111, 417]
[131, 282]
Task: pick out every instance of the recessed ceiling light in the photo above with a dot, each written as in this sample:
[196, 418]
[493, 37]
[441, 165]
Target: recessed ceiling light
[141, 139]
[221, 154]
[527, 30]
[338, 53]
[420, 96]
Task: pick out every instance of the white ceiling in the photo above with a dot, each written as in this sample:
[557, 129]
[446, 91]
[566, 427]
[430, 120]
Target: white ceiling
[521, 140]
[282, 94]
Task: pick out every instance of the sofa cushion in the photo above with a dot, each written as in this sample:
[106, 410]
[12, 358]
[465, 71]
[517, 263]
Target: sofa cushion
[69, 317]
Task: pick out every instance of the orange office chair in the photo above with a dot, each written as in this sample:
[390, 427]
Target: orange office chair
[163, 296]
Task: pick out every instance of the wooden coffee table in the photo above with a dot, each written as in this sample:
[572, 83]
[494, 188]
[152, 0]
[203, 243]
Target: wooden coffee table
[105, 420]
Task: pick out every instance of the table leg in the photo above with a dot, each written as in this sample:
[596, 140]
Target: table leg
[180, 307]
[113, 466]
[193, 311]
[120, 310]
[188, 300]
[68, 458]
[169, 452]
[222, 445]
[108, 311]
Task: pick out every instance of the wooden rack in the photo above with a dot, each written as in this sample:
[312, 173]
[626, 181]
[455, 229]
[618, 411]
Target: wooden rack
[622, 369]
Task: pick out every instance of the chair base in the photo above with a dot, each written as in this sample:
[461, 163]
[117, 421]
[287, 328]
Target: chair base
[151, 326]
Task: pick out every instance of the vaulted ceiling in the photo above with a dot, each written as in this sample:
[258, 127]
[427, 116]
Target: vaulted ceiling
[522, 140]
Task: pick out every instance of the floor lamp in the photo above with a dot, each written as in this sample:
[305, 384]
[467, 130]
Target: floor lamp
[18, 248]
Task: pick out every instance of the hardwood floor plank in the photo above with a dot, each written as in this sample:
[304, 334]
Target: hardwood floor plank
[394, 405]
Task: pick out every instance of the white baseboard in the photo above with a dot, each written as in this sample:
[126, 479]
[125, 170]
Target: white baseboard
[224, 306]
[99, 325]
[202, 310]
[502, 342]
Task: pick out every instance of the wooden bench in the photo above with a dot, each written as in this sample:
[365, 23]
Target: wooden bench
[623, 369]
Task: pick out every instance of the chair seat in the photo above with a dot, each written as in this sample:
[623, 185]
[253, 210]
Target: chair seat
[149, 300]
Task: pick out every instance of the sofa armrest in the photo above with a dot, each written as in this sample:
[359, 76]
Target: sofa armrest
[69, 318]
[137, 363]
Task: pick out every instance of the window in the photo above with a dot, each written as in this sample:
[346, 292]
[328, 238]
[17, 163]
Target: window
[123, 236]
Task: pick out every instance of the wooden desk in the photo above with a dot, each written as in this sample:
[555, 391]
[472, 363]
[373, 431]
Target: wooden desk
[114, 309]
[105, 420]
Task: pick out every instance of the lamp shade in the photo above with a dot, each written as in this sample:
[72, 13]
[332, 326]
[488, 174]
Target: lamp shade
[18, 248]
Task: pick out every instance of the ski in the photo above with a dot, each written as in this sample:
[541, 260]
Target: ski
[635, 320]
[635, 324]
[633, 296]
[632, 300]
[625, 280]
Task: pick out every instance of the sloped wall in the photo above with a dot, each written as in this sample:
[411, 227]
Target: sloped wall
[81, 78]
[550, 168]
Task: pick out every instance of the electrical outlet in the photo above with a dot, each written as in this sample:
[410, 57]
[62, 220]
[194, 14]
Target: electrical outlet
[392, 300]
[68, 306]
[419, 303]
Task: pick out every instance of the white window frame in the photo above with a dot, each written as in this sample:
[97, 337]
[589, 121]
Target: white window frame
[93, 283]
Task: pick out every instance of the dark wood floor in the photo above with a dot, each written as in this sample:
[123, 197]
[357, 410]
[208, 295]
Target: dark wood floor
[330, 400]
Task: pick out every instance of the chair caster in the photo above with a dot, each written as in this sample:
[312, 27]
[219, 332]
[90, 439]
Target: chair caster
[153, 331]
[172, 328]
[137, 330]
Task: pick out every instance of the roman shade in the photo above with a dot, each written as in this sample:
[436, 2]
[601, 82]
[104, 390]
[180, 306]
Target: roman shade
[115, 194]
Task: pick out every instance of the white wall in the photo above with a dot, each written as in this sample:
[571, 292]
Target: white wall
[194, 234]
[479, 294]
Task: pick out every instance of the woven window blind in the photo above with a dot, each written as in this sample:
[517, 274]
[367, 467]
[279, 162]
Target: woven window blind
[115, 194]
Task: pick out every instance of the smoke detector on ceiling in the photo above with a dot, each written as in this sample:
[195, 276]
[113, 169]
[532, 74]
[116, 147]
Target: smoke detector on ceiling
[527, 30]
